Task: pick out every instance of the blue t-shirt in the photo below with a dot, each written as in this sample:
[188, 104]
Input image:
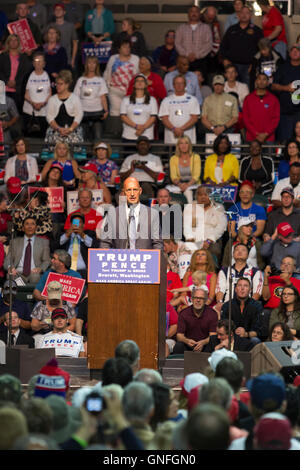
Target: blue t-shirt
[40, 285]
[255, 212]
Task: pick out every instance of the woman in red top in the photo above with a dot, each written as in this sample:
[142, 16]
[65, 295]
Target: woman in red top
[273, 27]
[156, 85]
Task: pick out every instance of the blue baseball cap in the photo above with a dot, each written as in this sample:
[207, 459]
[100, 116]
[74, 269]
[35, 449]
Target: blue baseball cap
[267, 391]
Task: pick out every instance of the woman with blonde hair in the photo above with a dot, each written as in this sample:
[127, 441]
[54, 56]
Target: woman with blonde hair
[202, 260]
[63, 160]
[131, 32]
[185, 169]
[107, 169]
[92, 91]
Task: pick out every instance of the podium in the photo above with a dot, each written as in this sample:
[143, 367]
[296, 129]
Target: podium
[126, 300]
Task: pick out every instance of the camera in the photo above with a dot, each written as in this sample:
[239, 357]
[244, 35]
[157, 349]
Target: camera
[94, 403]
[274, 271]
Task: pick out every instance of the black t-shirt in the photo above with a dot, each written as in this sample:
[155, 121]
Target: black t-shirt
[83, 315]
[287, 73]
[240, 45]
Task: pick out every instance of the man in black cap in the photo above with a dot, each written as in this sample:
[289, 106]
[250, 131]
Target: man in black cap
[143, 166]
[21, 308]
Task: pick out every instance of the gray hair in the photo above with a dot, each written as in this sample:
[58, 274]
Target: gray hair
[148, 376]
[64, 257]
[217, 391]
[138, 401]
[195, 289]
[129, 351]
[35, 442]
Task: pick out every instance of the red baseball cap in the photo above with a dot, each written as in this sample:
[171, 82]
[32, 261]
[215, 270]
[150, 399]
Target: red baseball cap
[58, 165]
[90, 167]
[14, 185]
[284, 229]
[61, 5]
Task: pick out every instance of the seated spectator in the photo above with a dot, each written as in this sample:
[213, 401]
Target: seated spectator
[143, 166]
[99, 23]
[131, 32]
[291, 155]
[222, 167]
[85, 209]
[170, 215]
[266, 61]
[247, 208]
[21, 165]
[198, 278]
[192, 85]
[28, 256]
[179, 113]
[288, 311]
[171, 329]
[240, 269]
[120, 69]
[280, 331]
[175, 250]
[258, 169]
[164, 57]
[55, 54]
[204, 88]
[155, 84]
[59, 319]
[116, 370]
[18, 306]
[233, 85]
[261, 112]
[280, 245]
[9, 116]
[220, 110]
[39, 210]
[195, 324]
[15, 68]
[275, 281]
[5, 218]
[286, 212]
[90, 180]
[18, 334]
[41, 314]
[61, 264]
[38, 92]
[245, 236]
[92, 91]
[62, 159]
[284, 78]
[221, 339]
[68, 34]
[22, 13]
[37, 12]
[273, 27]
[205, 222]
[165, 405]
[53, 177]
[293, 181]
[107, 168]
[138, 112]
[129, 351]
[76, 242]
[185, 168]
[246, 311]
[64, 113]
[234, 17]
[202, 260]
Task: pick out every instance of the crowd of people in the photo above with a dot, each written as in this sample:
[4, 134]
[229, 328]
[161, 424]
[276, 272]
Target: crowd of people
[201, 83]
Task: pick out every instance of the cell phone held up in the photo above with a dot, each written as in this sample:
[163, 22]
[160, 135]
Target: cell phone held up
[94, 403]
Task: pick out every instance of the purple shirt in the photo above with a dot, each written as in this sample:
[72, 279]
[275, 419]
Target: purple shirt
[197, 328]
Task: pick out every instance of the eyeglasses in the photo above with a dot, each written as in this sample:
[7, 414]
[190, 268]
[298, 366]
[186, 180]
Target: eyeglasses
[199, 298]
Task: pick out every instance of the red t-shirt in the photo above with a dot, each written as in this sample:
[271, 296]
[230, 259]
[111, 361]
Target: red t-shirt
[171, 317]
[156, 87]
[276, 285]
[270, 20]
[173, 282]
[91, 220]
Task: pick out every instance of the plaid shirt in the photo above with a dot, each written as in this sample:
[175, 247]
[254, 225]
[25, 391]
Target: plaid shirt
[198, 41]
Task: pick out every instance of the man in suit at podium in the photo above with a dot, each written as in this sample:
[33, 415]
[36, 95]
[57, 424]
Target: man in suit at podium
[131, 225]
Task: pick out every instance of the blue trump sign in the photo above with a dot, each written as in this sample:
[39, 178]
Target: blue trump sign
[102, 51]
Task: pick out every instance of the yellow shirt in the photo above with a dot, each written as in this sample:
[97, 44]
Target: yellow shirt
[195, 167]
[230, 167]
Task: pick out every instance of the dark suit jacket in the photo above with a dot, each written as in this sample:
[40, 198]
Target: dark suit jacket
[115, 229]
[22, 339]
[24, 69]
[40, 249]
[240, 344]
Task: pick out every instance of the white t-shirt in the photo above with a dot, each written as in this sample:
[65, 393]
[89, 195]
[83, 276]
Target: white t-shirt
[139, 113]
[240, 88]
[89, 90]
[65, 344]
[179, 110]
[39, 88]
[153, 162]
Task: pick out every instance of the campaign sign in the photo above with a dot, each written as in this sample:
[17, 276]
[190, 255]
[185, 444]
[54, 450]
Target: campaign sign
[124, 266]
[223, 193]
[102, 51]
[73, 204]
[72, 286]
[55, 197]
[21, 28]
[65, 344]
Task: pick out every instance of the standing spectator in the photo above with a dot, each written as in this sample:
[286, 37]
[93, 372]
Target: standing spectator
[3, 24]
[9, 116]
[138, 112]
[99, 23]
[64, 113]
[204, 89]
[194, 40]
[92, 90]
[233, 85]
[22, 11]
[55, 55]
[258, 169]
[155, 84]
[273, 27]
[120, 69]
[74, 13]
[65, 163]
[68, 35]
[261, 112]
[130, 31]
[107, 168]
[280, 245]
[192, 85]
[293, 181]
[21, 165]
[222, 167]
[38, 92]
[239, 44]
[15, 68]
[165, 56]
[179, 113]
[288, 311]
[234, 17]
[266, 61]
[297, 131]
[285, 212]
[220, 110]
[209, 17]
[37, 14]
[284, 79]
[291, 154]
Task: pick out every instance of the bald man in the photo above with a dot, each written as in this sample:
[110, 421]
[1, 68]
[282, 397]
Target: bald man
[131, 225]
